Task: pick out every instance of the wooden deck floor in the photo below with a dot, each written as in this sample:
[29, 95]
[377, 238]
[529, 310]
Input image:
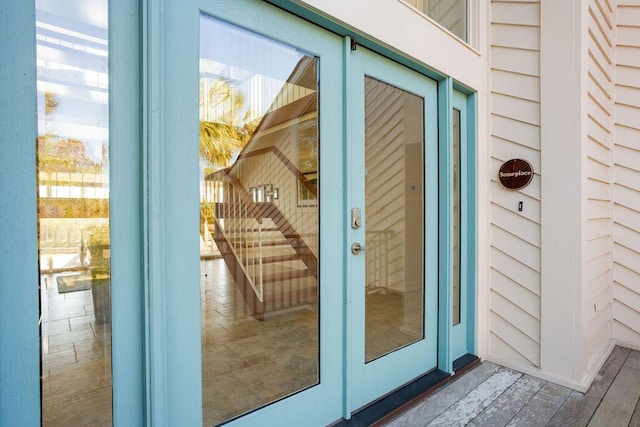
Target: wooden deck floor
[490, 395]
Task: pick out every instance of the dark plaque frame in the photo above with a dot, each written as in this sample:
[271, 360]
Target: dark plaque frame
[515, 174]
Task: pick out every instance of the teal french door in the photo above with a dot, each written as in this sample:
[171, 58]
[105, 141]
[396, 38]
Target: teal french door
[391, 186]
[271, 350]
[373, 128]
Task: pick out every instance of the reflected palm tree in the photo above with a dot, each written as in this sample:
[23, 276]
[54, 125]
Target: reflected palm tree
[225, 125]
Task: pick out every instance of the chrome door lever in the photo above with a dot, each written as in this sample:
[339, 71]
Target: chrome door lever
[356, 248]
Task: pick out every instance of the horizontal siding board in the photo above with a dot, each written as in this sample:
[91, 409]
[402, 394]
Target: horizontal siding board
[601, 30]
[600, 150]
[516, 108]
[628, 16]
[626, 140]
[599, 208]
[598, 190]
[628, 237]
[516, 224]
[627, 257]
[598, 228]
[597, 266]
[596, 132]
[602, 267]
[597, 170]
[517, 295]
[627, 295]
[515, 271]
[509, 199]
[625, 217]
[599, 65]
[601, 129]
[628, 198]
[599, 289]
[628, 95]
[504, 150]
[516, 316]
[516, 339]
[627, 76]
[628, 115]
[513, 245]
[515, 13]
[627, 56]
[514, 84]
[500, 348]
[625, 156]
[624, 335]
[599, 59]
[628, 177]
[627, 277]
[512, 130]
[601, 95]
[596, 248]
[510, 35]
[627, 36]
[515, 60]
[626, 315]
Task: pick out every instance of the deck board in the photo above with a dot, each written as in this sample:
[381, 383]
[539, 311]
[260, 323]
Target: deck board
[618, 405]
[467, 408]
[439, 402]
[635, 420]
[542, 406]
[490, 395]
[504, 408]
[578, 409]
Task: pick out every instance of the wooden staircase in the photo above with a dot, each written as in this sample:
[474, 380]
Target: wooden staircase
[272, 265]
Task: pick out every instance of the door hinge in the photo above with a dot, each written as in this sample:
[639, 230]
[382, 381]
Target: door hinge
[354, 45]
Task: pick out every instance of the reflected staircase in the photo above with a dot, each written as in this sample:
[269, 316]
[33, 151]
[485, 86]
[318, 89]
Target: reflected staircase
[273, 267]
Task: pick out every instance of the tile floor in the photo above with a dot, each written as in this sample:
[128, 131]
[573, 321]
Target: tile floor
[246, 363]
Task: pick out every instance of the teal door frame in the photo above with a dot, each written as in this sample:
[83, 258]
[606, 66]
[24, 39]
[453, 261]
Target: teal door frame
[152, 382]
[458, 340]
[172, 183]
[19, 303]
[19, 334]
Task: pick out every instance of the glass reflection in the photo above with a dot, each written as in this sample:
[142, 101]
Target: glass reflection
[451, 14]
[258, 220]
[73, 212]
[394, 129]
[456, 195]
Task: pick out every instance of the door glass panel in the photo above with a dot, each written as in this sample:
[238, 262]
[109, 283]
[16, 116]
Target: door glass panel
[394, 167]
[73, 212]
[259, 220]
[455, 217]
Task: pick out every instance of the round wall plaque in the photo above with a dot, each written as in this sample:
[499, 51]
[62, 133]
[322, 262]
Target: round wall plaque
[515, 174]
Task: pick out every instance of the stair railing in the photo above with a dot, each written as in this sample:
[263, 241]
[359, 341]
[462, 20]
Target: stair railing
[236, 222]
[377, 259]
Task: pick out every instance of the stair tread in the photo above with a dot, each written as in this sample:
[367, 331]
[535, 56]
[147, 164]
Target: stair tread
[285, 275]
[281, 258]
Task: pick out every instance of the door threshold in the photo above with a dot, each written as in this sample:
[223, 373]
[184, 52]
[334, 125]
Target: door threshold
[408, 396]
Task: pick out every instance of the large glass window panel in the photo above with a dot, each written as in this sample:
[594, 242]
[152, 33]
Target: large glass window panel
[451, 14]
[394, 212]
[259, 220]
[73, 212]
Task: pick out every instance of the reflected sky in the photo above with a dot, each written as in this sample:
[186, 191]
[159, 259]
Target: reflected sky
[72, 60]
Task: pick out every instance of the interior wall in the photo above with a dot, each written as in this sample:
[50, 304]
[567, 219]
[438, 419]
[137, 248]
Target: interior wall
[626, 176]
[515, 133]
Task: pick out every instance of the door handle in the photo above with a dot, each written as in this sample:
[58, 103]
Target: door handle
[356, 248]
